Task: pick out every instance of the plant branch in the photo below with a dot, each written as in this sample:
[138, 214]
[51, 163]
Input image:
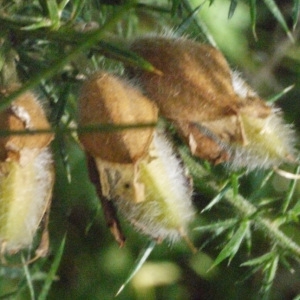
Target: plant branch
[247, 209]
[208, 185]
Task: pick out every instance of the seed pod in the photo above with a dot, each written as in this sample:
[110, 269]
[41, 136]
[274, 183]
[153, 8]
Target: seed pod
[106, 99]
[213, 109]
[26, 175]
[167, 207]
[137, 168]
[25, 113]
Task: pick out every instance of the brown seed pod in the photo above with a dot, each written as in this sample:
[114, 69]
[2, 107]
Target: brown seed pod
[26, 176]
[108, 99]
[25, 113]
[100, 103]
[137, 169]
[209, 104]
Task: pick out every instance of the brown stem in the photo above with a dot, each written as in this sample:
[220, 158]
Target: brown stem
[109, 210]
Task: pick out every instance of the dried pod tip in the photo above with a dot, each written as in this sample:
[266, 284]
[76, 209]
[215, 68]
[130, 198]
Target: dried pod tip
[270, 142]
[109, 100]
[26, 174]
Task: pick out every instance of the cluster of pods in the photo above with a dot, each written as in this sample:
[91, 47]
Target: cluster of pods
[214, 111]
[136, 169]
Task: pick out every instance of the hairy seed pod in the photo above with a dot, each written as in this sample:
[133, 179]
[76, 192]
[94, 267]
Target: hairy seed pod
[137, 168]
[216, 113]
[167, 208]
[100, 103]
[26, 174]
[107, 99]
[25, 113]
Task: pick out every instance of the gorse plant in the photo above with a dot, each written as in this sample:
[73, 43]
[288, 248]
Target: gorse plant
[160, 104]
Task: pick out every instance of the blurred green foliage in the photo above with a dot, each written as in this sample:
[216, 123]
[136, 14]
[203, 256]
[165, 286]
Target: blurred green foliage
[57, 44]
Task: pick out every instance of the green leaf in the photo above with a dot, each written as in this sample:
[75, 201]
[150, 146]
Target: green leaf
[260, 189]
[296, 9]
[296, 209]
[54, 14]
[175, 7]
[217, 226]
[233, 245]
[138, 264]
[290, 192]
[279, 95]
[284, 262]
[203, 28]
[125, 56]
[253, 17]
[217, 199]
[232, 7]
[258, 260]
[267, 201]
[77, 8]
[52, 272]
[278, 15]
[217, 229]
[187, 21]
[62, 5]
[269, 276]
[234, 179]
[42, 23]
[248, 241]
[28, 278]
[8, 296]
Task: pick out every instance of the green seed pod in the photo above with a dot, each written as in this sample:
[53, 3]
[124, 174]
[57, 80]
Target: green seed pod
[25, 193]
[26, 174]
[211, 106]
[167, 208]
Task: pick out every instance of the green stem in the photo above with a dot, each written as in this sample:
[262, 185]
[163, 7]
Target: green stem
[247, 209]
[82, 129]
[208, 185]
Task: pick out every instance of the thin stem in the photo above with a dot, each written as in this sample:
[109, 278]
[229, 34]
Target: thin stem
[81, 129]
